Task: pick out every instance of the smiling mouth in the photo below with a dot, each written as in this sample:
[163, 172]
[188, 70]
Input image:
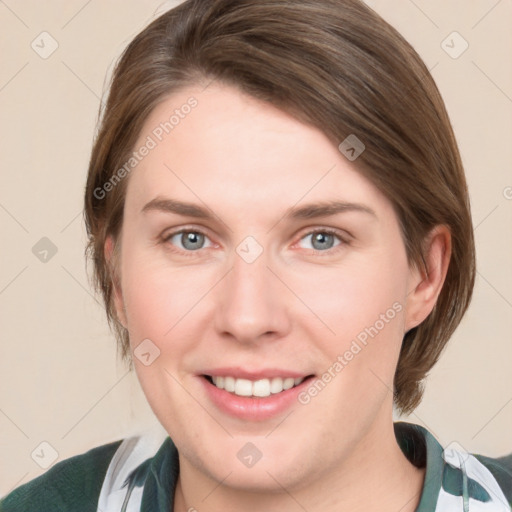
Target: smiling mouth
[260, 388]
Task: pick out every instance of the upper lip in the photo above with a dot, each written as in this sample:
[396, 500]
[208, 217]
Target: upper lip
[264, 373]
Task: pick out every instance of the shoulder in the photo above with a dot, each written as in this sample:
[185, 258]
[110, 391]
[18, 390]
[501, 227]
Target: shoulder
[501, 470]
[72, 484]
[455, 478]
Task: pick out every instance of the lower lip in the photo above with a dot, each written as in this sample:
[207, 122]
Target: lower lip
[253, 408]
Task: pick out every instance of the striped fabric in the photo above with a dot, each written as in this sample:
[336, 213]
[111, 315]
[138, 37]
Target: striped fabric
[139, 474]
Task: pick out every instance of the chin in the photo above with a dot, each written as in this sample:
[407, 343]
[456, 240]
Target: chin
[268, 479]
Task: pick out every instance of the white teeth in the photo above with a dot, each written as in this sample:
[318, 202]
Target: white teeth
[276, 386]
[260, 388]
[229, 384]
[243, 387]
[288, 383]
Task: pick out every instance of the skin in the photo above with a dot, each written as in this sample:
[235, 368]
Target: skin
[298, 306]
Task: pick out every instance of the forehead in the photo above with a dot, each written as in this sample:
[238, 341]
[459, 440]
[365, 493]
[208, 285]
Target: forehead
[222, 145]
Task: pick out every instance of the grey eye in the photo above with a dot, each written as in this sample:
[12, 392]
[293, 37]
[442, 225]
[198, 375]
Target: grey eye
[322, 240]
[188, 240]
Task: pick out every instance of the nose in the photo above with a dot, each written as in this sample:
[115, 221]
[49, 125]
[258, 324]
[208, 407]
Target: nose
[252, 302]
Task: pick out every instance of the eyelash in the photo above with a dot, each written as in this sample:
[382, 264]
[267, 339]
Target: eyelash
[328, 252]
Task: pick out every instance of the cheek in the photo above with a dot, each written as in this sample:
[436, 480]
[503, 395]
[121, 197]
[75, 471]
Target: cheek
[354, 298]
[159, 305]
[362, 305]
[148, 308]
[167, 306]
[157, 296]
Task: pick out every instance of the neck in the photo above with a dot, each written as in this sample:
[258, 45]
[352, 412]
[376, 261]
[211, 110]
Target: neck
[375, 476]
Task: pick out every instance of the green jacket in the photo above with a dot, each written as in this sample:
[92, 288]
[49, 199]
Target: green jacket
[140, 474]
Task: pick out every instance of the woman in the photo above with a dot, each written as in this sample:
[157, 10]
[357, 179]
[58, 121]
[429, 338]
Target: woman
[279, 225]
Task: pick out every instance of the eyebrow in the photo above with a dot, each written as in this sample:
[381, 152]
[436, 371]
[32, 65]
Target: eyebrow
[308, 211]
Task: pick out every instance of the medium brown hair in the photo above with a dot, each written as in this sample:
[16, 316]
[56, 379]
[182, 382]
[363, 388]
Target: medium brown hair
[336, 65]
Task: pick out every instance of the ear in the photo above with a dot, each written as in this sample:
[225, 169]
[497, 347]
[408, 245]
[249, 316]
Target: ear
[425, 287]
[113, 263]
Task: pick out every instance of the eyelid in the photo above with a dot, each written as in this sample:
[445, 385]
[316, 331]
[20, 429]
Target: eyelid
[167, 235]
[341, 233]
[186, 229]
[343, 236]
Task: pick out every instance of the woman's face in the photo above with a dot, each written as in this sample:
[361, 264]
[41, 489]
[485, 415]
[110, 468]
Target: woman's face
[264, 288]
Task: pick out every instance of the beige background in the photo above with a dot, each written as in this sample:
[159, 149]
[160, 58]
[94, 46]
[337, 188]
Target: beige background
[60, 381]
